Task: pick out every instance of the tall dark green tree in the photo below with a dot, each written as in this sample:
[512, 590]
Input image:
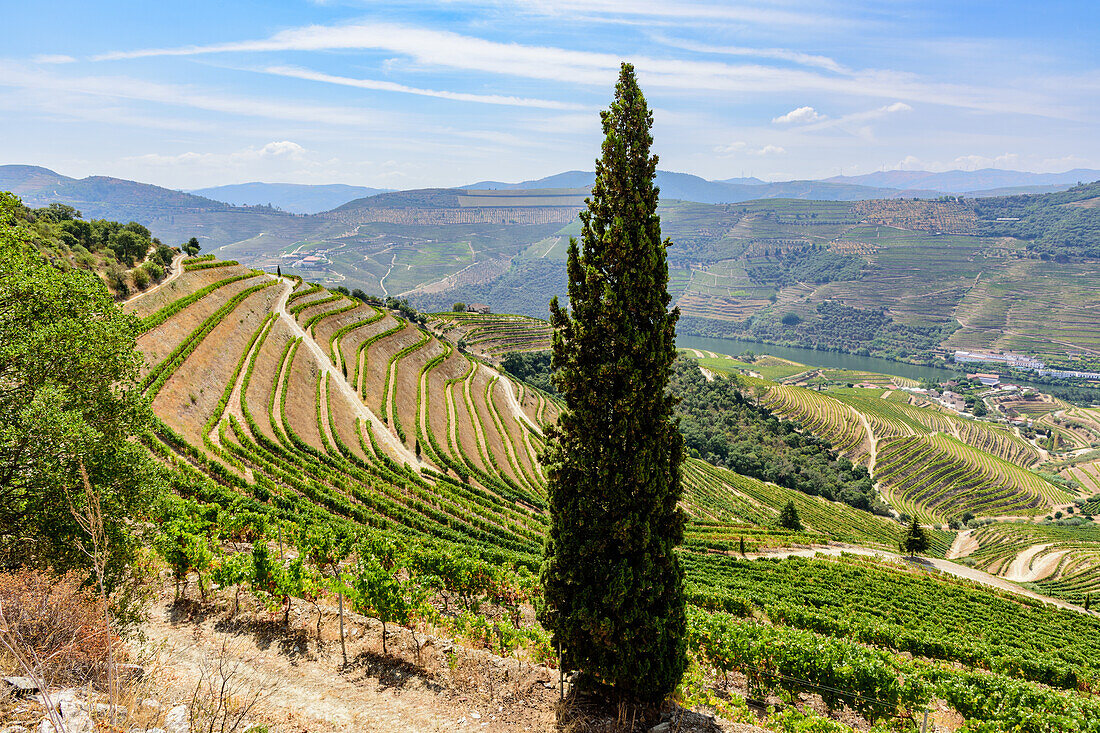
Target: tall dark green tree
[613, 589]
[914, 540]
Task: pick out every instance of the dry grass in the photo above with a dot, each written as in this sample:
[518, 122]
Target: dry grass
[54, 627]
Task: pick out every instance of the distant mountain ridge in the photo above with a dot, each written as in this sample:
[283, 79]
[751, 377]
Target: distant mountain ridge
[977, 181]
[688, 187]
[100, 197]
[297, 198]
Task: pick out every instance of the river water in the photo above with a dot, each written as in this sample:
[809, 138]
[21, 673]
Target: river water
[812, 357]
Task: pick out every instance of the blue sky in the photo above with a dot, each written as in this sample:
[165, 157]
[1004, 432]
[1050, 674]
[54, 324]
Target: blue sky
[407, 94]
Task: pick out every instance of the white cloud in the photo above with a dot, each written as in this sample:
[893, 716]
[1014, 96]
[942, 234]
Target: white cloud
[53, 58]
[743, 147]
[973, 162]
[389, 86]
[673, 10]
[781, 54]
[846, 121]
[799, 116]
[282, 150]
[909, 163]
[445, 49]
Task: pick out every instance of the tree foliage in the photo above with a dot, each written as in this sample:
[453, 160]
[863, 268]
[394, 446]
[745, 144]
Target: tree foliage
[613, 590]
[788, 518]
[69, 401]
[914, 541]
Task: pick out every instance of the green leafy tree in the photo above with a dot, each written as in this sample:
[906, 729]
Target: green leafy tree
[69, 401]
[379, 593]
[914, 541]
[788, 518]
[613, 588]
[184, 546]
[192, 247]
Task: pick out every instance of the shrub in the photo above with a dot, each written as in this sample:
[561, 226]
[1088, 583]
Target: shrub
[141, 278]
[55, 625]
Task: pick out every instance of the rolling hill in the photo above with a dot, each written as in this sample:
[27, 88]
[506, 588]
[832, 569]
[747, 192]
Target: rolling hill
[896, 277]
[295, 198]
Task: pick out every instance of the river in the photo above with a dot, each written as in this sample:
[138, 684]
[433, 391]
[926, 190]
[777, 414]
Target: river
[815, 358]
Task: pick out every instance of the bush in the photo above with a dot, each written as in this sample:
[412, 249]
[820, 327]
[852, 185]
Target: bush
[141, 278]
[55, 621]
[154, 271]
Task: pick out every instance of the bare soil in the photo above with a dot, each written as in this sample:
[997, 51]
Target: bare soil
[301, 398]
[264, 375]
[158, 342]
[191, 395]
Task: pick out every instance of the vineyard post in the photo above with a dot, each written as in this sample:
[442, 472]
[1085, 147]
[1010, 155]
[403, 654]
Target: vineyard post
[924, 724]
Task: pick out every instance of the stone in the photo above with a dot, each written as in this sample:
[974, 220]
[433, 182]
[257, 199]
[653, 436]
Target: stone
[150, 705]
[103, 710]
[21, 686]
[155, 730]
[661, 728]
[178, 720]
[15, 729]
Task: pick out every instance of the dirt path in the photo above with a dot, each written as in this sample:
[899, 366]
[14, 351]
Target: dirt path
[946, 566]
[176, 271]
[381, 431]
[1025, 569]
[508, 389]
[964, 545]
[873, 451]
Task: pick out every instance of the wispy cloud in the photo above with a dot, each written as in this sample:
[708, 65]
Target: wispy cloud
[389, 86]
[779, 54]
[765, 14]
[743, 147]
[281, 149]
[855, 117]
[431, 48]
[53, 58]
[129, 88]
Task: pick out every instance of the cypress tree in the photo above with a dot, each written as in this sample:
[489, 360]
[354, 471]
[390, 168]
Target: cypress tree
[914, 541]
[788, 518]
[613, 589]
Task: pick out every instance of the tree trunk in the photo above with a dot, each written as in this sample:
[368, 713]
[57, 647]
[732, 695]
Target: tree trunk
[384, 638]
[343, 649]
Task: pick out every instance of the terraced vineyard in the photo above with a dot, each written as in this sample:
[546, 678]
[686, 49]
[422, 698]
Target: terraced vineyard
[251, 379]
[938, 477]
[493, 335]
[285, 401]
[727, 502]
[824, 416]
[926, 461]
